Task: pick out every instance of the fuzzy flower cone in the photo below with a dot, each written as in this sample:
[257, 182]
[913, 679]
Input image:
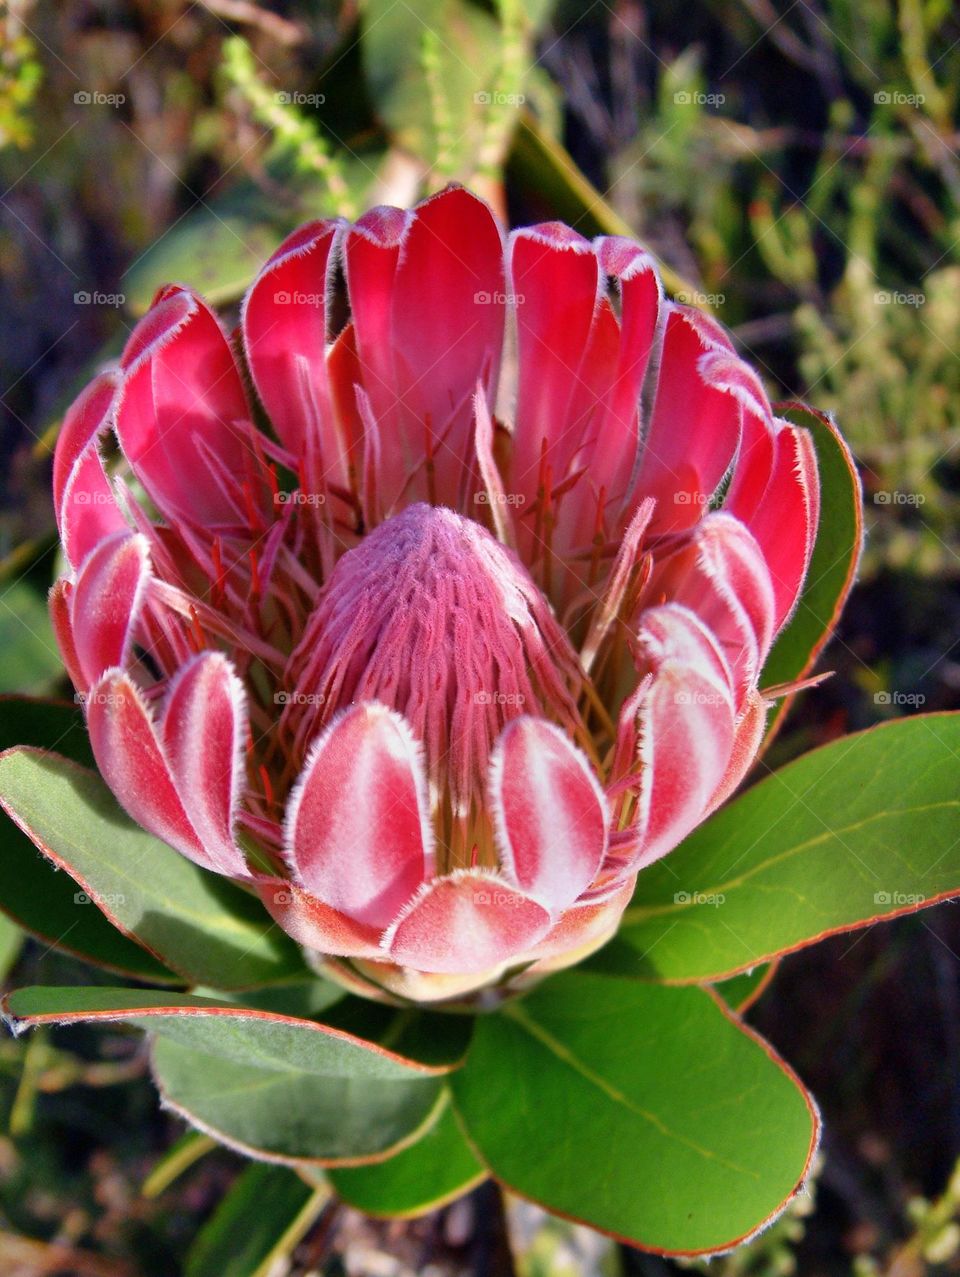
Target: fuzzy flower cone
[431, 604]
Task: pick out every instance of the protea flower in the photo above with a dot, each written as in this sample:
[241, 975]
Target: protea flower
[431, 604]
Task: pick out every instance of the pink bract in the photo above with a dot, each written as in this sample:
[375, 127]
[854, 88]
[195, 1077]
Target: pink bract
[432, 604]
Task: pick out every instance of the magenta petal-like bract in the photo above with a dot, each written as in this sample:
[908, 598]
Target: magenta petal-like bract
[434, 603]
[363, 787]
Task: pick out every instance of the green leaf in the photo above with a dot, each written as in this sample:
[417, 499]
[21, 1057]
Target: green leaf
[865, 828]
[434, 1039]
[216, 250]
[242, 1034]
[11, 942]
[44, 902]
[435, 1170]
[741, 991]
[218, 247]
[835, 555]
[264, 1203]
[641, 1110]
[31, 660]
[270, 1085]
[286, 1113]
[202, 926]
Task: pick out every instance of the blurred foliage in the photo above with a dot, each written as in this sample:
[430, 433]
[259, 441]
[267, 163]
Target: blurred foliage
[824, 227]
[20, 75]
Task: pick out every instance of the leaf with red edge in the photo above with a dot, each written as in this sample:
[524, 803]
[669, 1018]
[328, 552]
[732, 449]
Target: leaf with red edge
[275, 1086]
[696, 1133]
[44, 902]
[836, 553]
[740, 992]
[862, 829]
[200, 925]
[437, 1169]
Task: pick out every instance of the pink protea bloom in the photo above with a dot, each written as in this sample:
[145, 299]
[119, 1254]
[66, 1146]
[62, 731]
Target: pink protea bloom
[431, 604]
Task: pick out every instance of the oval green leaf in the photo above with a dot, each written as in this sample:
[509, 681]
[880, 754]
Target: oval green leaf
[203, 927]
[271, 1086]
[833, 564]
[243, 1035]
[644, 1111]
[289, 1114]
[435, 1170]
[865, 828]
[44, 902]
